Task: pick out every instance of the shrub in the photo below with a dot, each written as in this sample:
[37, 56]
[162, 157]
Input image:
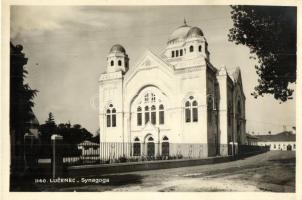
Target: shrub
[122, 159]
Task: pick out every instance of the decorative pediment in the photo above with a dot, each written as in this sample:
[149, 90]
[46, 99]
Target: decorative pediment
[149, 61]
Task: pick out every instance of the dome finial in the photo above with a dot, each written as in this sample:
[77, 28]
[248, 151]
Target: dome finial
[185, 22]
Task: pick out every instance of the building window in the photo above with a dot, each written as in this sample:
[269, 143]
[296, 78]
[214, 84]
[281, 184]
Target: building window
[136, 147]
[180, 52]
[176, 53]
[151, 108]
[165, 146]
[161, 114]
[191, 110]
[139, 116]
[119, 63]
[147, 114]
[108, 114]
[147, 98]
[153, 115]
[195, 111]
[172, 54]
[153, 98]
[199, 48]
[112, 63]
[191, 48]
[294, 146]
[150, 147]
[274, 146]
[188, 111]
[111, 116]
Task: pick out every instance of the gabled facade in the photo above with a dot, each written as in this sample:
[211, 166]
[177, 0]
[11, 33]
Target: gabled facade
[176, 97]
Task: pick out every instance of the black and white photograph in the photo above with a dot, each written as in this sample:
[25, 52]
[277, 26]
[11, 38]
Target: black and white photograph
[152, 98]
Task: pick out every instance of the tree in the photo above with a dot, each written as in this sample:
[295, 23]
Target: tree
[72, 136]
[21, 99]
[96, 137]
[46, 131]
[270, 34]
[50, 119]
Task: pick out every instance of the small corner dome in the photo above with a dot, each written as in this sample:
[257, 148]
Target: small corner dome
[117, 48]
[195, 32]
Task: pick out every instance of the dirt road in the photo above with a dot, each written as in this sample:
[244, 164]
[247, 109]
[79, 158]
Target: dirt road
[272, 171]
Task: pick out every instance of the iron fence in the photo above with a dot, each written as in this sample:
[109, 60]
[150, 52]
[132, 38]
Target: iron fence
[245, 149]
[115, 152]
[107, 153]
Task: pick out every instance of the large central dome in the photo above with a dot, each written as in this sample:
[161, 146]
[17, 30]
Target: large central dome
[183, 32]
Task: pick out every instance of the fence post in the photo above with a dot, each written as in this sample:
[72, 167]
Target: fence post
[57, 158]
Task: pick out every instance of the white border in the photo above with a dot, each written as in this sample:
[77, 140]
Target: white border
[4, 133]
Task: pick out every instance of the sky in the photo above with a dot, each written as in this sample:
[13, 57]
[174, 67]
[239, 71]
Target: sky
[67, 47]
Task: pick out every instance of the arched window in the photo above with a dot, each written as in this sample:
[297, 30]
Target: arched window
[191, 48]
[136, 147]
[108, 117]
[153, 114]
[188, 111]
[191, 110]
[199, 48]
[165, 146]
[111, 62]
[139, 116]
[119, 63]
[180, 52]
[147, 98]
[151, 109]
[147, 114]
[172, 54]
[195, 111]
[111, 116]
[176, 53]
[150, 147]
[153, 98]
[161, 114]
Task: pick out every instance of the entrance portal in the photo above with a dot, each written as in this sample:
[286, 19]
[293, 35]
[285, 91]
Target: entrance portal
[150, 147]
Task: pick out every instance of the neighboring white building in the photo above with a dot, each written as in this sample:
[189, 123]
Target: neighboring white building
[89, 148]
[251, 140]
[285, 141]
[174, 97]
